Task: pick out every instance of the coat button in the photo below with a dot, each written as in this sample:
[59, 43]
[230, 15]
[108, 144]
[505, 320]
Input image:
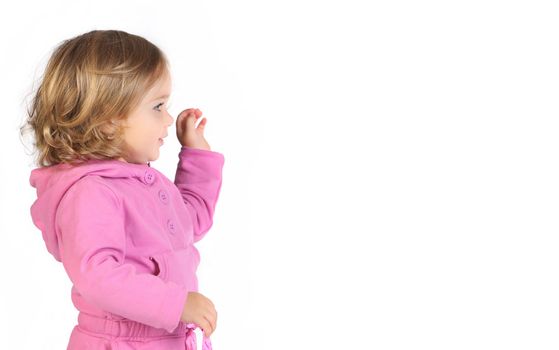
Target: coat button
[163, 196]
[149, 177]
[171, 226]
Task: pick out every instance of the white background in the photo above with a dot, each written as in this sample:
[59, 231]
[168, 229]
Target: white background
[390, 180]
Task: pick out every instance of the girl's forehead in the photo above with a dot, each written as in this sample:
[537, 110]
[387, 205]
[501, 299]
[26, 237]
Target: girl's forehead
[161, 88]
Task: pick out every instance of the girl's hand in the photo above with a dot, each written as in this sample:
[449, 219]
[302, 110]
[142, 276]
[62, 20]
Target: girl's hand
[187, 133]
[200, 310]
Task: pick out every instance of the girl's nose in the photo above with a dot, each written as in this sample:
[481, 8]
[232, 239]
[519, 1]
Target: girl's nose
[170, 119]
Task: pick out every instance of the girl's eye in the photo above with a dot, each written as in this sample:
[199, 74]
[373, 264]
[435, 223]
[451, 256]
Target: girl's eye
[157, 107]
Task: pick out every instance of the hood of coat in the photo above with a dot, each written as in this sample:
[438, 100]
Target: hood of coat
[53, 181]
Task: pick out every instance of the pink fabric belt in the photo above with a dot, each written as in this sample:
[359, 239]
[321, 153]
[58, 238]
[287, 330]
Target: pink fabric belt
[190, 341]
[132, 330]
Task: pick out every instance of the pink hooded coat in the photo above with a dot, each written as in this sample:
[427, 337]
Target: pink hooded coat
[125, 235]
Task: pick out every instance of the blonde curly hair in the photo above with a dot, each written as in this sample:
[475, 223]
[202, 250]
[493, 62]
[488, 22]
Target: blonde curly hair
[91, 83]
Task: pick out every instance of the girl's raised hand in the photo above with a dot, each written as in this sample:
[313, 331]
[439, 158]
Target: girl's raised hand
[188, 134]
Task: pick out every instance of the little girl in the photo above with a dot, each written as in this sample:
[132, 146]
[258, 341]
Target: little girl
[123, 231]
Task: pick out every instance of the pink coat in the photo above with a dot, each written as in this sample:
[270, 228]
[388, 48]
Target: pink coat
[125, 235]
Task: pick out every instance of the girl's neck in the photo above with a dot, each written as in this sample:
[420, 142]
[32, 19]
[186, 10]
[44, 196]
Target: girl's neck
[125, 161]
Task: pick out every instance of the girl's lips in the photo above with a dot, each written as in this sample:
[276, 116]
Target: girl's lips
[161, 141]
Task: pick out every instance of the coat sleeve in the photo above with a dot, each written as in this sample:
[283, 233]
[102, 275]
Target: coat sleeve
[90, 221]
[198, 178]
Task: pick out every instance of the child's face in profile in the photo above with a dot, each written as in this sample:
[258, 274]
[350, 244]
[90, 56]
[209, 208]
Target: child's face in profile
[148, 123]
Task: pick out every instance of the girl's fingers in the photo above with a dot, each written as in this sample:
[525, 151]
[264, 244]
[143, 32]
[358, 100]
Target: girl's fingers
[180, 120]
[179, 124]
[191, 120]
[207, 327]
[211, 317]
[202, 123]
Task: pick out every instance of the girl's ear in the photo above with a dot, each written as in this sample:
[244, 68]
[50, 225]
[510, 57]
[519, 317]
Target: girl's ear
[110, 127]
